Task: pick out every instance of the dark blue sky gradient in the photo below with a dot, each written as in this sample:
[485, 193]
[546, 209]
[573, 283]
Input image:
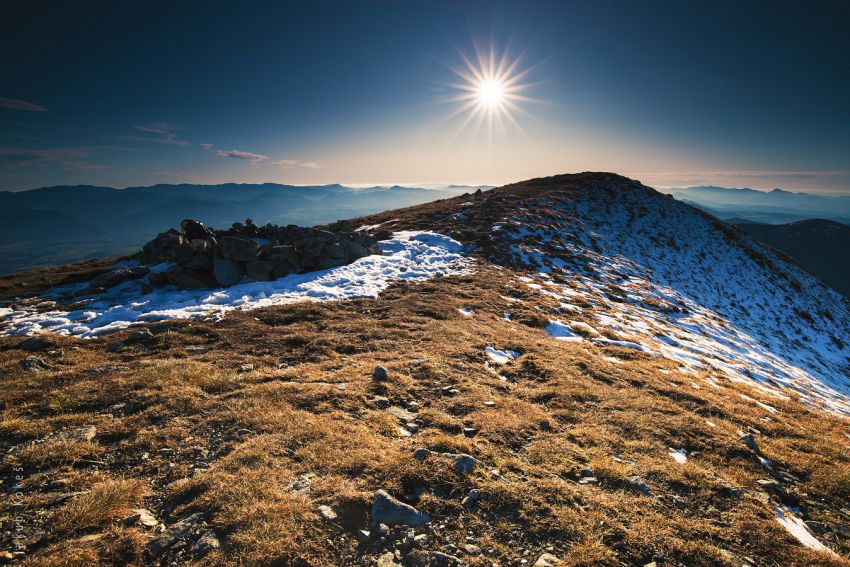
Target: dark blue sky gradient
[754, 93]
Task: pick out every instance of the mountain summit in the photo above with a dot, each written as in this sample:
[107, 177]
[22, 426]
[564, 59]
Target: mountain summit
[572, 370]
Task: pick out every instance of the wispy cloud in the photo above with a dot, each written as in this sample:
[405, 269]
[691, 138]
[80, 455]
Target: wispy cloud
[164, 134]
[70, 159]
[206, 146]
[13, 104]
[241, 154]
[288, 163]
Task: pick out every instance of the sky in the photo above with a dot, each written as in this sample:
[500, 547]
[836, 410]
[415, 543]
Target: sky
[737, 94]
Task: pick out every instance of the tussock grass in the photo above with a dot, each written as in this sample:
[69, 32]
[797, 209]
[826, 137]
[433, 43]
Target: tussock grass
[105, 502]
[261, 431]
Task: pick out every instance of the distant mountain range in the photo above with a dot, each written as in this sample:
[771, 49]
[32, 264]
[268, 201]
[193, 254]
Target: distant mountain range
[771, 207]
[69, 223]
[822, 247]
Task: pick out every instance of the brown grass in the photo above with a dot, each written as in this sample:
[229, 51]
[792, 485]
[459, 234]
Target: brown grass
[105, 502]
[258, 432]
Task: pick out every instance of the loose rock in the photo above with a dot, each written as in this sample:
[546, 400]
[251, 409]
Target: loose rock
[388, 510]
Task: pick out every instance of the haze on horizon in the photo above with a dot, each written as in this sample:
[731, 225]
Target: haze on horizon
[749, 94]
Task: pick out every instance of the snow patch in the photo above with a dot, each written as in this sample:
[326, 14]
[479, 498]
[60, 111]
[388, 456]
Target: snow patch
[788, 519]
[408, 256]
[679, 455]
[501, 356]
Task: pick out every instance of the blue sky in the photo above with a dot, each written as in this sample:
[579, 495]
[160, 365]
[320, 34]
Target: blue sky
[673, 93]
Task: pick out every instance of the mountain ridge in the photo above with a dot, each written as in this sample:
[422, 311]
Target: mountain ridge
[576, 370]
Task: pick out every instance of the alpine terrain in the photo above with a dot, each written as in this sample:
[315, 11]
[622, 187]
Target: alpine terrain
[572, 370]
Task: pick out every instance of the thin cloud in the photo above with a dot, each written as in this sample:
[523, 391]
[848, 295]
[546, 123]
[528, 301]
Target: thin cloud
[165, 134]
[13, 104]
[289, 163]
[241, 154]
[206, 146]
[70, 159]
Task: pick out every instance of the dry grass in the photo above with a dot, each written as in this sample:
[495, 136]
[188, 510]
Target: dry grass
[181, 431]
[105, 502]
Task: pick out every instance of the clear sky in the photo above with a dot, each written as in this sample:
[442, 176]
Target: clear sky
[673, 93]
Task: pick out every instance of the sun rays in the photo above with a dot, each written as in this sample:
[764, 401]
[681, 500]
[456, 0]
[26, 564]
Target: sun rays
[489, 91]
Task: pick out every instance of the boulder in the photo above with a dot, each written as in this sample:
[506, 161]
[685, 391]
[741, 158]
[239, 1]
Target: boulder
[227, 272]
[189, 279]
[388, 510]
[119, 275]
[234, 254]
[260, 270]
[238, 248]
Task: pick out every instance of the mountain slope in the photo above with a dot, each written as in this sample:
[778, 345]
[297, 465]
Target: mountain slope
[574, 369]
[820, 246]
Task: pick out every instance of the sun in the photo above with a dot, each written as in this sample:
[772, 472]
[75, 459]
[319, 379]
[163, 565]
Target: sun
[490, 91]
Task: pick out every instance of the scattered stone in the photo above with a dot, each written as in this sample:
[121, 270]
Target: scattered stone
[388, 510]
[79, 434]
[640, 485]
[139, 336]
[469, 432]
[327, 513]
[471, 498]
[380, 374]
[401, 414]
[387, 560]
[464, 463]
[207, 543]
[586, 472]
[246, 368]
[34, 364]
[545, 425]
[381, 402]
[363, 536]
[472, 549]
[749, 441]
[35, 344]
[490, 404]
[141, 516]
[547, 560]
[172, 534]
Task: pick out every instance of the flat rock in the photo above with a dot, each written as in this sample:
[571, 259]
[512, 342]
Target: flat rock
[547, 560]
[172, 534]
[207, 543]
[34, 364]
[388, 510]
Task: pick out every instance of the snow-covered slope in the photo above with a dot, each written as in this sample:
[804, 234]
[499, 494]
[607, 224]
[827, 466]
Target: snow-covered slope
[668, 279]
[411, 256]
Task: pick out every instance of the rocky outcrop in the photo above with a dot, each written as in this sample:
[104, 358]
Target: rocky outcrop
[253, 253]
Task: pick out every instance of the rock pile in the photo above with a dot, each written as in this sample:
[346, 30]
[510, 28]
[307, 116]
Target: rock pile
[258, 253]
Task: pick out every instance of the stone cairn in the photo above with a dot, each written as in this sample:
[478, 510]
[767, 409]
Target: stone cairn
[260, 253]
